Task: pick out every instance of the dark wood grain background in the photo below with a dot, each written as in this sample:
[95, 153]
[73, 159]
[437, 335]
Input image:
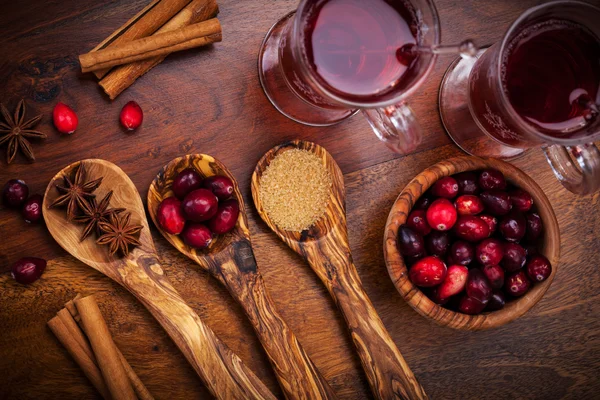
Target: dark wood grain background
[210, 101]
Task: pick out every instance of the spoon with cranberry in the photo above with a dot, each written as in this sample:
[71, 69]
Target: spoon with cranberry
[230, 259]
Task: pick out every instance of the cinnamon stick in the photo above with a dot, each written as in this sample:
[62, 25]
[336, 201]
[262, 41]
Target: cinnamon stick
[120, 78]
[188, 37]
[67, 319]
[104, 348]
[143, 24]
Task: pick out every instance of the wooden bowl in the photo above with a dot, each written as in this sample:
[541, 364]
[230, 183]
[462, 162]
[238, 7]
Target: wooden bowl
[399, 273]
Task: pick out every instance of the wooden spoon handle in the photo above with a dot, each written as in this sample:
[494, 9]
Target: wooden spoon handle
[298, 377]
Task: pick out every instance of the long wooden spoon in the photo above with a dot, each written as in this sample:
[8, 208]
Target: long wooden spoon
[325, 247]
[231, 260]
[140, 273]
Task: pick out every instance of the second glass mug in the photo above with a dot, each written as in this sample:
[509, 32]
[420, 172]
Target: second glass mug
[297, 91]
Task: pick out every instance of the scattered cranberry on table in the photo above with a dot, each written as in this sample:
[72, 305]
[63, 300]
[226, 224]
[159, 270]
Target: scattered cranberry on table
[28, 270]
[131, 116]
[32, 209]
[65, 119]
[15, 193]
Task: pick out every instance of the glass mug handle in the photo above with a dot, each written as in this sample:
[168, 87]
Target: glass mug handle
[396, 126]
[583, 180]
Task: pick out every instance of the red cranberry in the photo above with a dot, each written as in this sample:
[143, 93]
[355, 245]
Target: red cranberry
[495, 275]
[441, 215]
[445, 187]
[468, 204]
[496, 302]
[32, 209]
[226, 217]
[197, 235]
[410, 243]
[514, 258]
[200, 205]
[417, 220]
[28, 270]
[423, 202]
[492, 222]
[455, 282]
[65, 119]
[521, 200]
[467, 183]
[428, 272]
[490, 179]
[220, 185]
[496, 202]
[14, 193]
[489, 252]
[513, 226]
[170, 216]
[538, 268]
[471, 306]
[471, 228]
[185, 182]
[517, 284]
[437, 243]
[461, 253]
[131, 116]
[534, 226]
[478, 286]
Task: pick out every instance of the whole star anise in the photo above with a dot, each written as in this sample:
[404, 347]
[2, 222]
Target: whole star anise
[119, 234]
[75, 191]
[15, 131]
[94, 213]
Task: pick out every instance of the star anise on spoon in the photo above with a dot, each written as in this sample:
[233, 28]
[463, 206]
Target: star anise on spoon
[15, 131]
[94, 213]
[75, 191]
[119, 234]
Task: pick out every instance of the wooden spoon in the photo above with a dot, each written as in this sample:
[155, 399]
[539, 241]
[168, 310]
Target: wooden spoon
[140, 273]
[231, 260]
[325, 246]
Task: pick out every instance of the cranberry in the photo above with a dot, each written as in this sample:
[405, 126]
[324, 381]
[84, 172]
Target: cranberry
[220, 185]
[28, 270]
[410, 243]
[185, 182]
[423, 202]
[538, 268]
[517, 284]
[131, 116]
[428, 272]
[478, 287]
[65, 119]
[32, 210]
[200, 205]
[461, 253]
[534, 226]
[471, 228]
[521, 200]
[492, 222]
[514, 258]
[467, 183]
[14, 193]
[197, 235]
[467, 204]
[471, 306]
[417, 221]
[437, 243]
[513, 226]
[496, 302]
[226, 217]
[496, 202]
[490, 179]
[445, 187]
[441, 215]
[455, 282]
[489, 252]
[170, 216]
[495, 275]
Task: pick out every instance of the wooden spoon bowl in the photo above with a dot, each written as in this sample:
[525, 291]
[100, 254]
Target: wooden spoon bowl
[399, 273]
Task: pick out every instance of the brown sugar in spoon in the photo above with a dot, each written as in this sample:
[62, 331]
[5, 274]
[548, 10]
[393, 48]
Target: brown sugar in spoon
[222, 371]
[325, 247]
[230, 259]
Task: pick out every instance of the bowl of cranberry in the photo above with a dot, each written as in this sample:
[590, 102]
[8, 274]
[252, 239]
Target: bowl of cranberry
[472, 243]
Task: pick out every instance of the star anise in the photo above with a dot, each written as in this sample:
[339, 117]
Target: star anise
[94, 213]
[75, 191]
[15, 131]
[119, 234]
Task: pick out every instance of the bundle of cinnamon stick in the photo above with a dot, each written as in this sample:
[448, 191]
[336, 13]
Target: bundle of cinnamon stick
[81, 329]
[162, 27]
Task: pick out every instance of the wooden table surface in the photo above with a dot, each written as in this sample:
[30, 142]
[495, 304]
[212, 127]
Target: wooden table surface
[210, 101]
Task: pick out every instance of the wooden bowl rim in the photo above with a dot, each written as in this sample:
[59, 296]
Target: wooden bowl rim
[399, 273]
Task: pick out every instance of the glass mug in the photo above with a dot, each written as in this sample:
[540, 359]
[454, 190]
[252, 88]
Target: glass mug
[330, 58]
[482, 118]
